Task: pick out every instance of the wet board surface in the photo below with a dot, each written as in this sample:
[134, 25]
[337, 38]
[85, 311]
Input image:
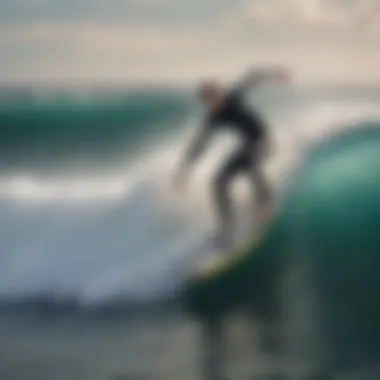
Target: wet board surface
[249, 232]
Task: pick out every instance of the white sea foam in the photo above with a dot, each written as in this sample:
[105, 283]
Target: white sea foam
[127, 235]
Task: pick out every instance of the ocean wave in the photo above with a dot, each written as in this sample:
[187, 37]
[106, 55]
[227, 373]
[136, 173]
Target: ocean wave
[60, 126]
[122, 236]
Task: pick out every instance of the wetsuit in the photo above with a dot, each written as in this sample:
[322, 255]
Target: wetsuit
[246, 123]
[253, 134]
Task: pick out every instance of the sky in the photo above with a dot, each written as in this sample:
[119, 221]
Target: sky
[181, 40]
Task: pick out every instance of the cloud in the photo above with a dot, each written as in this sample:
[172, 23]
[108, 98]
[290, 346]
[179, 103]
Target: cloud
[165, 13]
[300, 33]
[303, 12]
[151, 4]
[93, 49]
[91, 35]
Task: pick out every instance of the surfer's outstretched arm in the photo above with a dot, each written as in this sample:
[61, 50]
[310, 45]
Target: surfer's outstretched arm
[259, 77]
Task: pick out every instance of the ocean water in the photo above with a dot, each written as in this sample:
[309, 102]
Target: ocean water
[94, 244]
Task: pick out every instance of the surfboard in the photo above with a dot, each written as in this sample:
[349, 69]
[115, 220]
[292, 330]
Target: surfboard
[217, 262]
[219, 283]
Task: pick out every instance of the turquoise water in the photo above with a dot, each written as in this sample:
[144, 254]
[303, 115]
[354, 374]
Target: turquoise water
[315, 274]
[88, 215]
[90, 126]
[91, 231]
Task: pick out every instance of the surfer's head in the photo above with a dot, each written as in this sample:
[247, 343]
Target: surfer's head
[210, 93]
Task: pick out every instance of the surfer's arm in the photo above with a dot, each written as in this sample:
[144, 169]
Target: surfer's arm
[198, 145]
[192, 154]
[257, 78]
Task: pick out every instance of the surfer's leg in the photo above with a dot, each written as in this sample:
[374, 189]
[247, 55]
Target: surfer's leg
[259, 181]
[263, 191]
[222, 199]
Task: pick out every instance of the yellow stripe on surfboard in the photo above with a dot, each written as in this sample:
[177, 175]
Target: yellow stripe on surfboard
[214, 266]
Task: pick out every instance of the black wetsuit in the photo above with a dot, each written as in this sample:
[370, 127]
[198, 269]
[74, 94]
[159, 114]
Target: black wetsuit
[246, 123]
[252, 131]
[233, 112]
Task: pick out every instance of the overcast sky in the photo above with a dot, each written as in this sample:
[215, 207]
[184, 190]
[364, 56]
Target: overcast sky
[184, 40]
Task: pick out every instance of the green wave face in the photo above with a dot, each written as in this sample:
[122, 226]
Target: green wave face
[67, 129]
[329, 219]
[73, 118]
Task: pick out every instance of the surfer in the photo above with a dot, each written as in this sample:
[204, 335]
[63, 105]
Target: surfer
[226, 107]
